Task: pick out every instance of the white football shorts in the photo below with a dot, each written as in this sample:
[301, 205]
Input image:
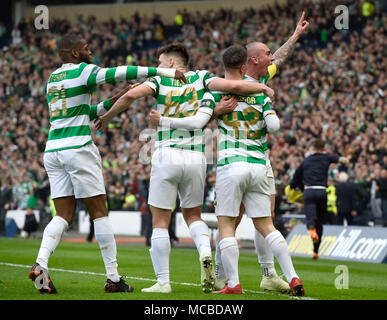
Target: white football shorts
[176, 172]
[75, 172]
[242, 182]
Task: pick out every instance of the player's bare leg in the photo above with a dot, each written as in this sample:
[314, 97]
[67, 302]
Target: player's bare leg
[65, 210]
[160, 250]
[200, 234]
[228, 246]
[277, 244]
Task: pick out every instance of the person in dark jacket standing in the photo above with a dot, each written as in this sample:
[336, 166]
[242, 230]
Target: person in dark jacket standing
[5, 202]
[382, 189]
[312, 178]
[345, 192]
[30, 223]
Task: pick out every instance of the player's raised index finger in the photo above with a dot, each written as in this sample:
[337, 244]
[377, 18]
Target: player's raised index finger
[302, 16]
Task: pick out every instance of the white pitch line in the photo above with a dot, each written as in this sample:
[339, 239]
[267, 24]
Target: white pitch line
[144, 279]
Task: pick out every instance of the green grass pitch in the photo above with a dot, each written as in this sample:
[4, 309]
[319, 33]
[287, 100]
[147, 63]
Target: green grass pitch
[78, 273]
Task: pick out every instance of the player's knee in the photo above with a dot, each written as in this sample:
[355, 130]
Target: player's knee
[191, 215]
[191, 219]
[160, 222]
[264, 225]
[98, 214]
[66, 215]
[160, 217]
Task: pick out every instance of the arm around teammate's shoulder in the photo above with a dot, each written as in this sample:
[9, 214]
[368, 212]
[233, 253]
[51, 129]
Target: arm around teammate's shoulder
[198, 121]
[240, 87]
[98, 75]
[123, 103]
[104, 106]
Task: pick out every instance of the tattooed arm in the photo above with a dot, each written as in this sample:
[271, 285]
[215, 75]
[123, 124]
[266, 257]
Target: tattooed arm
[287, 48]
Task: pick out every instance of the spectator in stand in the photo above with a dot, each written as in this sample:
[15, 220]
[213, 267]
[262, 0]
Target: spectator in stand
[382, 188]
[114, 199]
[5, 200]
[131, 203]
[376, 197]
[346, 193]
[30, 224]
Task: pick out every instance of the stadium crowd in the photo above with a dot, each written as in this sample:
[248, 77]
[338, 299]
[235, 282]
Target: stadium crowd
[333, 86]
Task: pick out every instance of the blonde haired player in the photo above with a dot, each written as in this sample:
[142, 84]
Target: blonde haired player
[270, 279]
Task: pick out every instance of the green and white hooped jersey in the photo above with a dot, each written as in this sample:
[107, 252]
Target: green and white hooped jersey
[178, 100]
[272, 70]
[242, 133]
[69, 90]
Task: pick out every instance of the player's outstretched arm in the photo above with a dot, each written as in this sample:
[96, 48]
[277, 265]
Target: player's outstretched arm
[287, 48]
[122, 104]
[197, 121]
[240, 87]
[104, 106]
[99, 75]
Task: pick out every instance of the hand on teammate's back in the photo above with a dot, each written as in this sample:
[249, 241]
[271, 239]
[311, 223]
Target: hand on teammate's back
[226, 104]
[180, 76]
[270, 93]
[100, 123]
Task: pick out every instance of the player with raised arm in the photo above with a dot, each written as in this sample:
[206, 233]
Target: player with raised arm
[178, 163]
[243, 139]
[242, 172]
[256, 55]
[71, 159]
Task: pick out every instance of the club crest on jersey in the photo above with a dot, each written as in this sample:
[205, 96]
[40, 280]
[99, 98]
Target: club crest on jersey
[206, 103]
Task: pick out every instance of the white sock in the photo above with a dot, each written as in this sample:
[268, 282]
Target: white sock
[219, 270]
[230, 257]
[200, 234]
[51, 238]
[279, 247]
[105, 238]
[159, 252]
[265, 255]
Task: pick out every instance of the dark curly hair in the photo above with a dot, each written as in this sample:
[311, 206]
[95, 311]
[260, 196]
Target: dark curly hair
[175, 48]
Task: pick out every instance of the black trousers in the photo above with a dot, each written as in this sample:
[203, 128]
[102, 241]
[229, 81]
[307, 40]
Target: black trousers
[2, 221]
[315, 208]
[347, 215]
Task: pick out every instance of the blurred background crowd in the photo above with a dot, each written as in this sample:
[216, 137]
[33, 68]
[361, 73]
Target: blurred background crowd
[333, 86]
